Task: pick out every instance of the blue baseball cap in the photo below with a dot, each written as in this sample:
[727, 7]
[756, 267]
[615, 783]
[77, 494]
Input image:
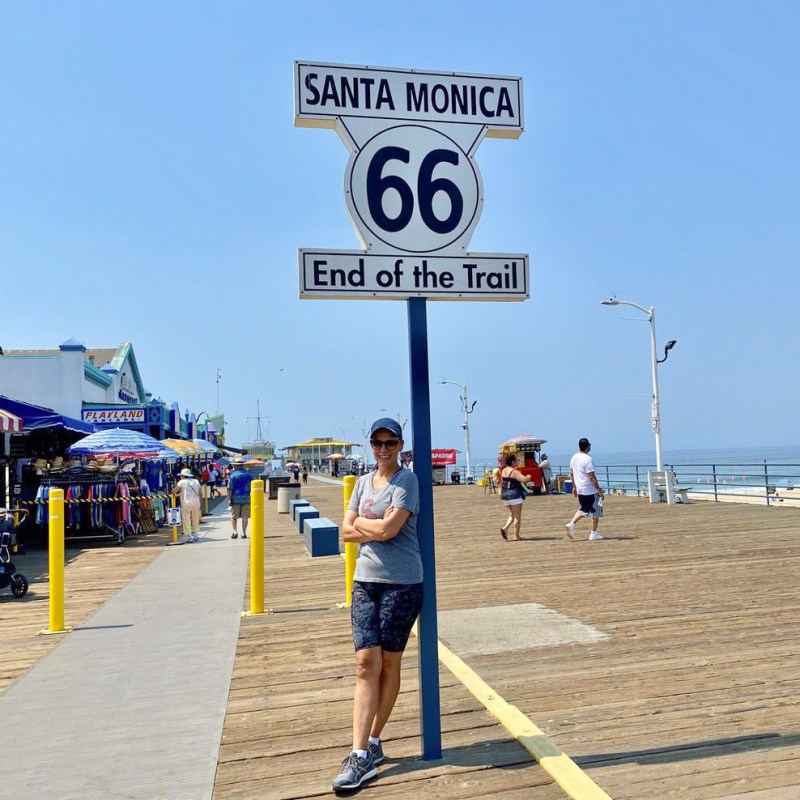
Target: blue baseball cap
[389, 424]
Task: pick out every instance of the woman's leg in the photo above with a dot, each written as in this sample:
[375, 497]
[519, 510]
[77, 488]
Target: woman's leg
[389, 689]
[186, 520]
[508, 521]
[367, 694]
[516, 512]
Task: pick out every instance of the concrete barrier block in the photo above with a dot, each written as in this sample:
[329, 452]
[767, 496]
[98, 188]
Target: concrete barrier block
[303, 513]
[321, 537]
[295, 504]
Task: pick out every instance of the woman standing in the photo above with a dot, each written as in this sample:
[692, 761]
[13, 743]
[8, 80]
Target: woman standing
[512, 494]
[387, 594]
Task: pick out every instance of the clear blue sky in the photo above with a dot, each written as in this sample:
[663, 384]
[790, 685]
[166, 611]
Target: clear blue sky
[153, 189]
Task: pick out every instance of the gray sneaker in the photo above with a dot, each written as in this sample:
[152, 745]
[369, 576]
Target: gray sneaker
[376, 751]
[354, 772]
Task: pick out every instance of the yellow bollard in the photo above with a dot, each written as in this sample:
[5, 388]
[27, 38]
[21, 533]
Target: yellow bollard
[256, 548]
[174, 527]
[15, 515]
[350, 548]
[206, 491]
[56, 560]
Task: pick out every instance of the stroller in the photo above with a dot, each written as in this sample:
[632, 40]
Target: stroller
[8, 572]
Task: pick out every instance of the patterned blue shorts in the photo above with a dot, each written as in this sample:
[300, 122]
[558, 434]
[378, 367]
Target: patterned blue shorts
[384, 613]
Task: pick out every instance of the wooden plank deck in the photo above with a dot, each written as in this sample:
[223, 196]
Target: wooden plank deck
[93, 573]
[694, 695]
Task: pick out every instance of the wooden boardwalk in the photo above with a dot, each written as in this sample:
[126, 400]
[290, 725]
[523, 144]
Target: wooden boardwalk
[92, 575]
[694, 695]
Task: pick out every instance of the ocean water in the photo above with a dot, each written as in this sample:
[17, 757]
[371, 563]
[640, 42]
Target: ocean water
[743, 470]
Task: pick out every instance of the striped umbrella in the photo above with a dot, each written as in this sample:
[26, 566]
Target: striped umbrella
[122, 443]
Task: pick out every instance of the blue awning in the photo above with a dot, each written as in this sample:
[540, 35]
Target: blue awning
[39, 418]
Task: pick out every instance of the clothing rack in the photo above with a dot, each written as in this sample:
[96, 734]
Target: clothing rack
[97, 506]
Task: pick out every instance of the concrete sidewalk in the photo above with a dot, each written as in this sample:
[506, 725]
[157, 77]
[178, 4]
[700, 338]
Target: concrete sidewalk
[131, 704]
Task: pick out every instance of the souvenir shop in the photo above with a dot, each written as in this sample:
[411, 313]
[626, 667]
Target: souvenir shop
[116, 483]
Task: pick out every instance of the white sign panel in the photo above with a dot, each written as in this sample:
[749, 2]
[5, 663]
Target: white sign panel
[353, 274]
[326, 93]
[109, 416]
[173, 517]
[415, 189]
[412, 185]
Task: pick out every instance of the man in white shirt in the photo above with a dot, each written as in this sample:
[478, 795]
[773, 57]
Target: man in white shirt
[587, 489]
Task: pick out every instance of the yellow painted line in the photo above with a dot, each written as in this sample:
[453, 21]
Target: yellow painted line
[561, 768]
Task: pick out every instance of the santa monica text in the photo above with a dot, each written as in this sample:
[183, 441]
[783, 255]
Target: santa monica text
[333, 90]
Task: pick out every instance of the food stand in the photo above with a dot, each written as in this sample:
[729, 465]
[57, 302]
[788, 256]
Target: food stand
[440, 460]
[527, 449]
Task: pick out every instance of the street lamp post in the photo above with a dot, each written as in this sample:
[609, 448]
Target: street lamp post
[397, 415]
[467, 409]
[654, 362]
[219, 375]
[364, 433]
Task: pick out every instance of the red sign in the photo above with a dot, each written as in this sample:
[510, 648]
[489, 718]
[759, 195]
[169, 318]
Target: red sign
[441, 458]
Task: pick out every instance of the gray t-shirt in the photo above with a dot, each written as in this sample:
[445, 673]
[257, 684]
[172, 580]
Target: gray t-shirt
[398, 560]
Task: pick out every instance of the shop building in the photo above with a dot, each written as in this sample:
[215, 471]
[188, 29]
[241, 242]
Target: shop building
[318, 450]
[100, 386]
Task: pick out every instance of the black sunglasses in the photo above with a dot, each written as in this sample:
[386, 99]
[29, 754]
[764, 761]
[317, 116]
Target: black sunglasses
[389, 444]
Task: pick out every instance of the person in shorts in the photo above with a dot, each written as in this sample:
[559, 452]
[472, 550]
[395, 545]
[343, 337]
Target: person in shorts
[512, 494]
[587, 489]
[387, 594]
[239, 498]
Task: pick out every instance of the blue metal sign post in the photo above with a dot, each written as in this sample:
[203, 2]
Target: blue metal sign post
[427, 627]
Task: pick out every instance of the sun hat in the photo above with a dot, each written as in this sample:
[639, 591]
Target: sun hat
[387, 423]
[187, 473]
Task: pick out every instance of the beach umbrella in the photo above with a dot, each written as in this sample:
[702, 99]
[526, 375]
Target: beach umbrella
[254, 462]
[356, 457]
[334, 456]
[122, 443]
[222, 462]
[183, 447]
[523, 439]
[206, 447]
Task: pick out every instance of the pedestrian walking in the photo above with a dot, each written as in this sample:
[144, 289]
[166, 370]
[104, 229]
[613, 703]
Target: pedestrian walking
[239, 498]
[512, 493]
[213, 475]
[547, 473]
[305, 476]
[387, 594]
[188, 487]
[587, 489]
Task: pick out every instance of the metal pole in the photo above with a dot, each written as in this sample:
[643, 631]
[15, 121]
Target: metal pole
[430, 708]
[56, 559]
[350, 548]
[257, 548]
[466, 432]
[656, 403]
